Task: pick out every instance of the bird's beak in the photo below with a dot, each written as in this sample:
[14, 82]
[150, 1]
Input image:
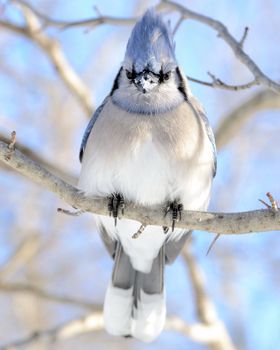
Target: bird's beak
[146, 81]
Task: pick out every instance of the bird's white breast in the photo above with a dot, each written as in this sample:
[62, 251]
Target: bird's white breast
[150, 160]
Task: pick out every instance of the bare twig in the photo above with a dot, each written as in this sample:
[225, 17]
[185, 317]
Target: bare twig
[218, 84]
[223, 33]
[139, 232]
[212, 243]
[70, 213]
[89, 22]
[244, 37]
[205, 308]
[11, 146]
[179, 22]
[44, 21]
[225, 223]
[274, 207]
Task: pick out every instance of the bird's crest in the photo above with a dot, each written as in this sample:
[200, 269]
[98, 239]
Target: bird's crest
[150, 45]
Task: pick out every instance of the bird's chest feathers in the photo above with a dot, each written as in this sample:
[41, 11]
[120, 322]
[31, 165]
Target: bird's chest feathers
[135, 154]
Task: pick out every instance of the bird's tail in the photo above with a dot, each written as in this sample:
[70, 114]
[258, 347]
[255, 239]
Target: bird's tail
[135, 301]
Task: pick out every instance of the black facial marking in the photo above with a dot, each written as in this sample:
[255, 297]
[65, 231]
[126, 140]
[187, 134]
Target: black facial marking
[181, 87]
[116, 82]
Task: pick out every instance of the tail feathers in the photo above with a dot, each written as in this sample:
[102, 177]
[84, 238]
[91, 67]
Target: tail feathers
[135, 301]
[119, 296]
[149, 317]
[117, 310]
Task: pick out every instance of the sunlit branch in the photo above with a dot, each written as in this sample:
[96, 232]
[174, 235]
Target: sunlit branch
[224, 223]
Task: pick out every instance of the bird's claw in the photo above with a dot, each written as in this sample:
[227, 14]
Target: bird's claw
[175, 208]
[116, 205]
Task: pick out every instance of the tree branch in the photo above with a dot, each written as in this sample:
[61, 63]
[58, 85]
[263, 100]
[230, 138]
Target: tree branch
[24, 252]
[236, 46]
[89, 22]
[231, 124]
[205, 307]
[52, 48]
[224, 223]
[90, 323]
[218, 83]
[70, 178]
[20, 287]
[94, 322]
[45, 21]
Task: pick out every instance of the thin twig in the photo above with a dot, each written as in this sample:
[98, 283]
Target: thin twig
[274, 207]
[224, 34]
[11, 146]
[139, 232]
[70, 213]
[217, 83]
[179, 22]
[89, 22]
[212, 243]
[244, 37]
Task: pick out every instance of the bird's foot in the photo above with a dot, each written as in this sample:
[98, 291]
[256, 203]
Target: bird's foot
[116, 205]
[175, 208]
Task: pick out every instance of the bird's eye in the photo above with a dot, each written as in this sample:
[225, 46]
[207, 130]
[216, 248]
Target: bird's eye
[129, 75]
[166, 76]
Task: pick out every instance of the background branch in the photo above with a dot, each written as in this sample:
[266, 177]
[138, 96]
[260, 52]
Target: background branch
[24, 288]
[37, 21]
[205, 308]
[236, 46]
[54, 52]
[94, 322]
[231, 124]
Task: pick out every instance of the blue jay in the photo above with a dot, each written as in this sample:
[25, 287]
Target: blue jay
[149, 143]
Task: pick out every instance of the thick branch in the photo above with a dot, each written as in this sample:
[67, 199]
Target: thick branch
[235, 45]
[41, 160]
[226, 223]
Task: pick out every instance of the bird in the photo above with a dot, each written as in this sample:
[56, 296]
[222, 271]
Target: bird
[149, 143]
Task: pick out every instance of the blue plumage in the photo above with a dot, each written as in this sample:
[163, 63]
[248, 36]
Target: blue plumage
[151, 45]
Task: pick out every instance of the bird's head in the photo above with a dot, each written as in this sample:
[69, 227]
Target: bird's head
[149, 81]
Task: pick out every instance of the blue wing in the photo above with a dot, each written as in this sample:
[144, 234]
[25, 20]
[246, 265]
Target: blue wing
[89, 128]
